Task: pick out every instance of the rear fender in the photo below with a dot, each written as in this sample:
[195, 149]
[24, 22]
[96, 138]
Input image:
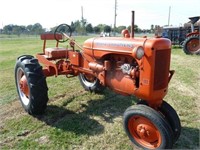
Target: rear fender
[193, 33]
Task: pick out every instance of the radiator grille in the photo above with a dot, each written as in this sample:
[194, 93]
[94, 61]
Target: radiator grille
[161, 72]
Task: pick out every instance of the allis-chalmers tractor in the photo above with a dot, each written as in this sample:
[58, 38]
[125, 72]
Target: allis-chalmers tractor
[126, 65]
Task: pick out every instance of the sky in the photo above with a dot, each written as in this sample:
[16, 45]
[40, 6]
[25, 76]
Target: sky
[50, 13]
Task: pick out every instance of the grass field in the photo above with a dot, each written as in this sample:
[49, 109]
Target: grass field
[76, 119]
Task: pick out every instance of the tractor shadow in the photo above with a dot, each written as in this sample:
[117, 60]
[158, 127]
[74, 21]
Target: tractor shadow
[86, 119]
[189, 139]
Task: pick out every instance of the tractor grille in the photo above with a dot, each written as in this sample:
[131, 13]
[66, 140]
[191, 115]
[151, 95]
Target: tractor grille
[161, 72]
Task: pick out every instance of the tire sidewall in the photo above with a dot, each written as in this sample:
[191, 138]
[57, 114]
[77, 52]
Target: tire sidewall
[20, 65]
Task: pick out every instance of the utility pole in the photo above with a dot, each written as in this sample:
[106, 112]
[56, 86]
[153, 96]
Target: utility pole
[169, 15]
[115, 17]
[82, 13]
[83, 22]
[82, 18]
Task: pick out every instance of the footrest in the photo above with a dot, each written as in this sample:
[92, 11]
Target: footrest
[56, 53]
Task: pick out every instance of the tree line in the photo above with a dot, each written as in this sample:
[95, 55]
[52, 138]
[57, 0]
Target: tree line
[34, 29]
[79, 27]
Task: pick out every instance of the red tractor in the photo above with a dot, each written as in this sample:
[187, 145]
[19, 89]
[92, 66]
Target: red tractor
[191, 45]
[126, 65]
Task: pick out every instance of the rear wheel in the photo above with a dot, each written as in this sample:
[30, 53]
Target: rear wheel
[147, 128]
[90, 83]
[191, 45]
[31, 85]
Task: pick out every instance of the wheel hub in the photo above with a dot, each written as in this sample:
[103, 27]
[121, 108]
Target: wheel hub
[24, 85]
[147, 133]
[194, 45]
[144, 132]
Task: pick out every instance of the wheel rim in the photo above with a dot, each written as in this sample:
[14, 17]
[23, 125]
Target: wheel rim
[193, 45]
[22, 87]
[144, 132]
[88, 80]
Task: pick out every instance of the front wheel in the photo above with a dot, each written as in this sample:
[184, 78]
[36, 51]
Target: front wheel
[90, 83]
[170, 115]
[147, 128]
[31, 85]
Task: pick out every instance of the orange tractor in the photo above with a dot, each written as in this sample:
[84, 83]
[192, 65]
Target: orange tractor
[126, 65]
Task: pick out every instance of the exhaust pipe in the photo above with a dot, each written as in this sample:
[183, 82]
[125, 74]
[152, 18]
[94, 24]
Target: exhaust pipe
[132, 24]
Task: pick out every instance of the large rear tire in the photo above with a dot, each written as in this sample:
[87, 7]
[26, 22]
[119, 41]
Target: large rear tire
[191, 45]
[31, 85]
[147, 128]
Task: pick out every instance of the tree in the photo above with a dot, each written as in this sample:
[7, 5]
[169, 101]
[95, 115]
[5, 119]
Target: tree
[107, 29]
[73, 26]
[37, 28]
[120, 28]
[89, 28]
[29, 29]
[16, 30]
[152, 28]
[79, 27]
[101, 27]
[136, 29]
[8, 29]
[97, 29]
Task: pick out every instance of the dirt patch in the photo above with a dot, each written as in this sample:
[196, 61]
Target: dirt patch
[43, 140]
[14, 110]
[11, 110]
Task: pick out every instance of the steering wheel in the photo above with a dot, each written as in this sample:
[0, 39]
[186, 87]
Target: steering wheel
[65, 31]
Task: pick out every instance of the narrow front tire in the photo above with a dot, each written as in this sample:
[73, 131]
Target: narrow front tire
[147, 128]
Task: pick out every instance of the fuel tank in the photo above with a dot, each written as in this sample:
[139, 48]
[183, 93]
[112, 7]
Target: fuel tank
[101, 46]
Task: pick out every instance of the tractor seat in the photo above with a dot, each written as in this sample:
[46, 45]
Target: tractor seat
[53, 53]
[56, 53]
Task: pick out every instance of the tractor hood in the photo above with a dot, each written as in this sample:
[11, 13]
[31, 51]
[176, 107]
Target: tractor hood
[98, 47]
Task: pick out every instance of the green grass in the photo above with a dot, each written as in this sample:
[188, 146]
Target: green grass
[76, 119]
